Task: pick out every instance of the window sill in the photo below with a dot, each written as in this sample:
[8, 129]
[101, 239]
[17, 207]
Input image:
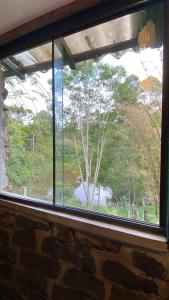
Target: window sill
[132, 237]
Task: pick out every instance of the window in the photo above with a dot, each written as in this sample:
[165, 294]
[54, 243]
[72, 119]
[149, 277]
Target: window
[81, 119]
[27, 117]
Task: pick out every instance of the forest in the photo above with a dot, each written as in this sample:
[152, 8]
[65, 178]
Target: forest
[107, 145]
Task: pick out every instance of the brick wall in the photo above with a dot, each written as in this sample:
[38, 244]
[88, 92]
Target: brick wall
[40, 260]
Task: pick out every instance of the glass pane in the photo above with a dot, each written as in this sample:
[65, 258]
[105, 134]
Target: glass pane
[26, 154]
[58, 101]
[112, 97]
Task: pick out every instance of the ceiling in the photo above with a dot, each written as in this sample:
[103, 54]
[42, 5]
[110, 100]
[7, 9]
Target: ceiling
[17, 12]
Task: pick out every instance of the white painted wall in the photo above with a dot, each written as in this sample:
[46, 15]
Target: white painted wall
[14, 13]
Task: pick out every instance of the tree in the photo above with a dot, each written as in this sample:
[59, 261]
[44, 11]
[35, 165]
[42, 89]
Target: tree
[3, 175]
[146, 121]
[95, 92]
[29, 163]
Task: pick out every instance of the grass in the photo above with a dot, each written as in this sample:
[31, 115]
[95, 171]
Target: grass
[119, 210]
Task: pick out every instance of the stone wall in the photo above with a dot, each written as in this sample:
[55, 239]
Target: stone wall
[40, 260]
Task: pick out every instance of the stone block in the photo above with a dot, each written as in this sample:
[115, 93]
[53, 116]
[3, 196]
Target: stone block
[4, 237]
[40, 263]
[6, 271]
[86, 262]
[149, 265]
[119, 293]
[85, 283]
[88, 241]
[25, 222]
[63, 293]
[7, 219]
[24, 238]
[9, 293]
[33, 282]
[7, 254]
[36, 296]
[59, 250]
[65, 235]
[120, 274]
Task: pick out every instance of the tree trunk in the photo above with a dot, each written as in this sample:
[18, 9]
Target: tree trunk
[3, 177]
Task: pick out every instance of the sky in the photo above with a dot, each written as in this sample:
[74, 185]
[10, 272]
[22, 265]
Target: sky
[148, 62]
[136, 63]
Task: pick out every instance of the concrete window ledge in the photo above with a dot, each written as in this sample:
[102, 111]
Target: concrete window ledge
[132, 237]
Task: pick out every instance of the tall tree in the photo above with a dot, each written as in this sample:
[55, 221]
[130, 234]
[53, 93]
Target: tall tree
[93, 108]
[3, 176]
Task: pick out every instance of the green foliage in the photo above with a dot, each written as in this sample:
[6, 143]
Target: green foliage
[18, 169]
[30, 159]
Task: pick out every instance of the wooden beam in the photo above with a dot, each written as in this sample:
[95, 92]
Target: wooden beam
[13, 60]
[72, 59]
[12, 67]
[95, 53]
[31, 69]
[68, 57]
[65, 53]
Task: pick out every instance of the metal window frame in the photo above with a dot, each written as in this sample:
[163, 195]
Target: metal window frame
[107, 10]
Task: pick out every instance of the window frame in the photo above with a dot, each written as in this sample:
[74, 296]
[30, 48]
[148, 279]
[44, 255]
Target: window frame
[105, 11]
